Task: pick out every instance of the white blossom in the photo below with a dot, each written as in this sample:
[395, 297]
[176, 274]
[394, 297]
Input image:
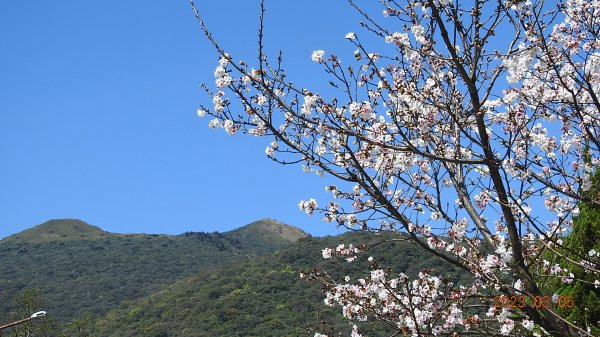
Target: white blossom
[317, 56]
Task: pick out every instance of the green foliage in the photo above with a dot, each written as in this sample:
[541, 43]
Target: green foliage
[24, 304]
[261, 296]
[89, 276]
[81, 327]
[584, 237]
[199, 284]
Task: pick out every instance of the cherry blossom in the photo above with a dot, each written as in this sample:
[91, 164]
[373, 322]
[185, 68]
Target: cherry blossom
[471, 130]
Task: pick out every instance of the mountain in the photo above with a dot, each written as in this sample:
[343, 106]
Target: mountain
[264, 235]
[83, 270]
[262, 296]
[239, 283]
[58, 230]
[270, 230]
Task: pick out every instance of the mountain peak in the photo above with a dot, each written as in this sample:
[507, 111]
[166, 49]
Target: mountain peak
[58, 229]
[284, 231]
[266, 235]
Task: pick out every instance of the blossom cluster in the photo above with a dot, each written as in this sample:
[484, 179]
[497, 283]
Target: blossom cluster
[349, 253]
[417, 306]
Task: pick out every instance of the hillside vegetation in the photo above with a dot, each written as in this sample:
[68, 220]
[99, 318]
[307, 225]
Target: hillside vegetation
[81, 270]
[58, 230]
[261, 296]
[239, 283]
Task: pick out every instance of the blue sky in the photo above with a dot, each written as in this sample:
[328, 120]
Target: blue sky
[97, 114]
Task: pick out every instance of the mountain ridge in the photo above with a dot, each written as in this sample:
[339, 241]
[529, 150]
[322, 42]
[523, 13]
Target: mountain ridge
[75, 229]
[83, 270]
[243, 282]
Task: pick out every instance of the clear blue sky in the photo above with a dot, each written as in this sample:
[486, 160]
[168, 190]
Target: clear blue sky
[97, 114]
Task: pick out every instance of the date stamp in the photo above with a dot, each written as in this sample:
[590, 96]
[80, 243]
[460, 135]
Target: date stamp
[533, 301]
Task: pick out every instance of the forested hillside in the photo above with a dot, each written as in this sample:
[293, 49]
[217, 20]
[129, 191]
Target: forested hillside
[87, 274]
[240, 283]
[261, 296]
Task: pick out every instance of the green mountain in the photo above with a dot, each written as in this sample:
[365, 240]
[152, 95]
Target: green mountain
[58, 230]
[263, 235]
[81, 270]
[261, 296]
[239, 283]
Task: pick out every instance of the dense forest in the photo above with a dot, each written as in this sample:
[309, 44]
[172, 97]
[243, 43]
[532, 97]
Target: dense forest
[240, 283]
[92, 274]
